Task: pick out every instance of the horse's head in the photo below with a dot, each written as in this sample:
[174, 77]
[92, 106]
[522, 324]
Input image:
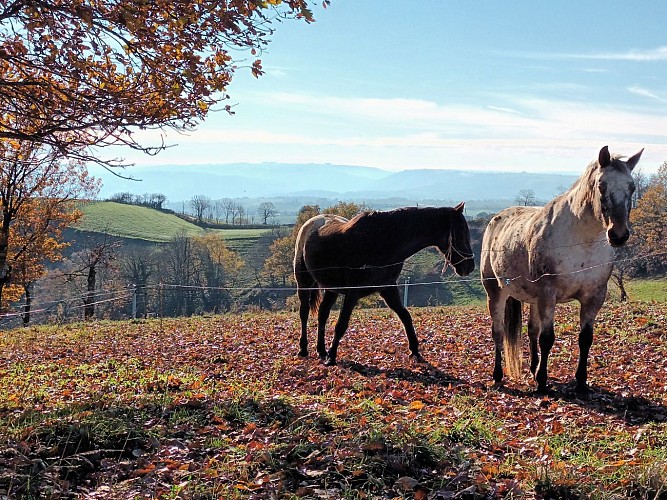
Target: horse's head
[615, 187]
[456, 245]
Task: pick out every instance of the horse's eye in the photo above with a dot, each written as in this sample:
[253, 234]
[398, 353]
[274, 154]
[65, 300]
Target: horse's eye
[602, 187]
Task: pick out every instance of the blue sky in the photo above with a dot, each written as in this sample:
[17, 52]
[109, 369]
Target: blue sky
[517, 85]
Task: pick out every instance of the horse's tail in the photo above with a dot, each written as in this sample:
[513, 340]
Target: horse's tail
[315, 300]
[512, 344]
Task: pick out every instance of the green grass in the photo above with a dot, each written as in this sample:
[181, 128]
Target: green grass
[131, 221]
[654, 289]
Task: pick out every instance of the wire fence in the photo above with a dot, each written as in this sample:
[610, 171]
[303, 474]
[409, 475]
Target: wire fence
[157, 300]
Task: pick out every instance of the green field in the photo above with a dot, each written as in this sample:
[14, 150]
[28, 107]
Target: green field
[132, 221]
[654, 289]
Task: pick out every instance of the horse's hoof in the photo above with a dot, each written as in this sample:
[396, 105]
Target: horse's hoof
[582, 389]
[417, 358]
[542, 389]
[330, 362]
[322, 356]
[497, 385]
[303, 354]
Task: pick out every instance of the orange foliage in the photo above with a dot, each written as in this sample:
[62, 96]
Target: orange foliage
[81, 73]
[38, 192]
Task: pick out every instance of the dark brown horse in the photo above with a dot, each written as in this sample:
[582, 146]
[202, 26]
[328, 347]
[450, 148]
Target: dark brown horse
[364, 255]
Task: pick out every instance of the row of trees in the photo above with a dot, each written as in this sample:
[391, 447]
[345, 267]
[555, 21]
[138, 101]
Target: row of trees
[228, 211]
[150, 200]
[188, 275]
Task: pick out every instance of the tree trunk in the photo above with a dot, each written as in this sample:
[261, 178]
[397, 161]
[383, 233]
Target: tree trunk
[28, 303]
[89, 301]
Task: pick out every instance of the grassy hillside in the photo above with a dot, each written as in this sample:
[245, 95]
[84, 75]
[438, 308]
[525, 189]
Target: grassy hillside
[225, 409]
[131, 221]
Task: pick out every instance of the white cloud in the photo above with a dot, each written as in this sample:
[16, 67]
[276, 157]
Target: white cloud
[636, 55]
[522, 133]
[646, 93]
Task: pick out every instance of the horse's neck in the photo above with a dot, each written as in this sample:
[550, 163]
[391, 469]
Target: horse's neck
[582, 207]
[416, 234]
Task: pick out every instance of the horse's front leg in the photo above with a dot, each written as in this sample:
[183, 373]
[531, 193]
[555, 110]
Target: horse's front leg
[589, 310]
[533, 337]
[341, 326]
[327, 303]
[393, 300]
[545, 311]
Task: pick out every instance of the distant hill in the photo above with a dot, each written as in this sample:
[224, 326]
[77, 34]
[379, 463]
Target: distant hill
[246, 180]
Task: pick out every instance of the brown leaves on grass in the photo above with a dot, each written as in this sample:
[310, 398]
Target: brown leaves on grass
[222, 406]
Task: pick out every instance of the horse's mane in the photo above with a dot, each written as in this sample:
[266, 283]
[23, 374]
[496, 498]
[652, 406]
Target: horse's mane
[392, 221]
[583, 192]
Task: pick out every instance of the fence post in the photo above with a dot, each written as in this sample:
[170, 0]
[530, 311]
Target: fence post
[405, 291]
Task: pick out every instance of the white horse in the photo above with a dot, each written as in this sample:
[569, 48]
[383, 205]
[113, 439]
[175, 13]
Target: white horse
[554, 254]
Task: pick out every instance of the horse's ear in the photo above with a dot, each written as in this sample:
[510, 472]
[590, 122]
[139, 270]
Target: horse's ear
[632, 162]
[459, 208]
[604, 159]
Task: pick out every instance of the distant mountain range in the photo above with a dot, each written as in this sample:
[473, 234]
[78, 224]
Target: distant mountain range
[360, 184]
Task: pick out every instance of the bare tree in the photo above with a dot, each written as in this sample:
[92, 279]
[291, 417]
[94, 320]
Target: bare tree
[526, 197]
[99, 252]
[230, 207]
[200, 205]
[642, 183]
[266, 210]
[238, 214]
[138, 266]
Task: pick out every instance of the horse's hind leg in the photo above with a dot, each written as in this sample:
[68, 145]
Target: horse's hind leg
[327, 303]
[546, 309]
[393, 300]
[341, 326]
[304, 310]
[533, 336]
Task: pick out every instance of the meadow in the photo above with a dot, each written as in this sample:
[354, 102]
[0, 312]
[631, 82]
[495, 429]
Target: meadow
[142, 223]
[221, 407]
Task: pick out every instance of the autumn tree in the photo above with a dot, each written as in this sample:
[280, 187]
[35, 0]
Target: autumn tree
[90, 74]
[218, 270]
[37, 191]
[649, 223]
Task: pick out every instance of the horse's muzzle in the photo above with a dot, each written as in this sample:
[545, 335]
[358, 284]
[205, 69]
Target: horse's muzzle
[616, 240]
[465, 267]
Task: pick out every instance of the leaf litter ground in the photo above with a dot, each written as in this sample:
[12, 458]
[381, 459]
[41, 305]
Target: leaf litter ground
[221, 407]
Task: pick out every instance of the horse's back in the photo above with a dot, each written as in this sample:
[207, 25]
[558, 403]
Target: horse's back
[310, 227]
[505, 235]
